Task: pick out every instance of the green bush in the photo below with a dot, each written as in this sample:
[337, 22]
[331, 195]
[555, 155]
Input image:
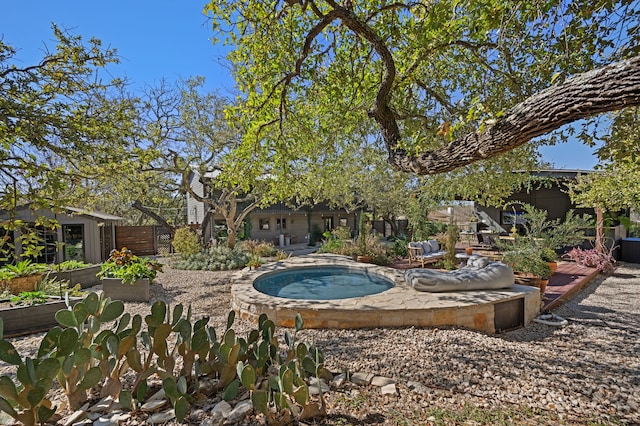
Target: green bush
[259, 248]
[185, 242]
[219, 258]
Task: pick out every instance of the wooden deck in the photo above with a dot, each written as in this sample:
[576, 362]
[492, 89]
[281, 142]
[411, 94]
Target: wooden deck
[565, 282]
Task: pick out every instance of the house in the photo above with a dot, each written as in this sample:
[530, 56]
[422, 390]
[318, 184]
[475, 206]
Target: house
[82, 235]
[277, 223]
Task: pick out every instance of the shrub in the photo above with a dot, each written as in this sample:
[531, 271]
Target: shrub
[259, 248]
[68, 265]
[219, 258]
[603, 262]
[185, 242]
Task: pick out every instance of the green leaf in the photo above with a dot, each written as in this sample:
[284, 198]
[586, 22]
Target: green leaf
[170, 388]
[182, 385]
[231, 391]
[7, 408]
[230, 337]
[9, 354]
[45, 413]
[181, 407]
[49, 341]
[48, 368]
[230, 319]
[92, 303]
[66, 318]
[36, 395]
[126, 399]
[112, 311]
[259, 399]
[248, 377]
[309, 365]
[8, 388]
[301, 395]
[299, 322]
[67, 341]
[287, 382]
[177, 313]
[91, 378]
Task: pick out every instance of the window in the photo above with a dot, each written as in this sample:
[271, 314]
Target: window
[281, 224]
[343, 221]
[264, 224]
[328, 223]
[73, 242]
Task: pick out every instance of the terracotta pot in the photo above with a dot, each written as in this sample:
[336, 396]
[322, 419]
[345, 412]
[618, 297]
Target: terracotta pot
[364, 259]
[468, 251]
[553, 266]
[543, 286]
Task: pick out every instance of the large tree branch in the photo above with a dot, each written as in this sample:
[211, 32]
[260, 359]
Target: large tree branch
[609, 88]
[162, 221]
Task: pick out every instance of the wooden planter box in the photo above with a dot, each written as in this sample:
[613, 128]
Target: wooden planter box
[86, 277]
[117, 290]
[25, 319]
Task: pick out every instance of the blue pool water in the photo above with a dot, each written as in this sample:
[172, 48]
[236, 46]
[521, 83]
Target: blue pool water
[326, 283]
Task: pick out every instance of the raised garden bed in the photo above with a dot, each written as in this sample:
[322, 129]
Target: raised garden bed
[86, 277]
[139, 291]
[25, 319]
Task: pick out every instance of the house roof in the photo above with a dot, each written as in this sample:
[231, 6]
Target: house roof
[95, 214]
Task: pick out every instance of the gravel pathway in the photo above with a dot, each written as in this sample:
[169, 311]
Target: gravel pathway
[587, 372]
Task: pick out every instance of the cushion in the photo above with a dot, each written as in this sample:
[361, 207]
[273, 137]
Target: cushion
[434, 245]
[415, 245]
[477, 261]
[426, 247]
[495, 276]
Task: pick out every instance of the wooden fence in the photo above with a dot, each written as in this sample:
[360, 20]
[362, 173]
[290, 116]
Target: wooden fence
[144, 240]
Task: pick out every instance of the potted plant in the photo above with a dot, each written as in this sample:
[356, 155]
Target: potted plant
[551, 257]
[128, 277]
[528, 267]
[23, 276]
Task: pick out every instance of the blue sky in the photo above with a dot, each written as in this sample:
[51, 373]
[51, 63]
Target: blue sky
[164, 38]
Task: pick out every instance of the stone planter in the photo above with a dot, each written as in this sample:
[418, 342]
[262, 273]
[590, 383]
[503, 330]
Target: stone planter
[86, 277]
[139, 291]
[25, 319]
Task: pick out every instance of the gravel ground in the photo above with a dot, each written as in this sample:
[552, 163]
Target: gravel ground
[587, 372]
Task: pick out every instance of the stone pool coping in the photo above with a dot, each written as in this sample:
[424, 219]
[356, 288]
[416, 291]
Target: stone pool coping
[396, 307]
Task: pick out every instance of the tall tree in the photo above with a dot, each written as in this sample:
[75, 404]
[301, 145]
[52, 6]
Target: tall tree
[60, 124]
[448, 83]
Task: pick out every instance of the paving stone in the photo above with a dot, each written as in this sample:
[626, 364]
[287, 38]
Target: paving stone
[362, 378]
[382, 381]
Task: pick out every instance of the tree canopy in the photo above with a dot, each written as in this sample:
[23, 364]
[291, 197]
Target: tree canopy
[447, 83]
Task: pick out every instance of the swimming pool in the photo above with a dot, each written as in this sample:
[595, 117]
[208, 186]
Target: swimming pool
[322, 283]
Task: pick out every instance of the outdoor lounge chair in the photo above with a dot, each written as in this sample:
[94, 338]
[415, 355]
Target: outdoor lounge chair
[479, 274]
[424, 252]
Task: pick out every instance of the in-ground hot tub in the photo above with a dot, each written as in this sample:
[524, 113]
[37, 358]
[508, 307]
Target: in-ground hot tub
[322, 283]
[399, 306]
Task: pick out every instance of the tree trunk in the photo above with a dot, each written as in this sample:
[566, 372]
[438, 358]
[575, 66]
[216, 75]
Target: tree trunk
[599, 231]
[609, 88]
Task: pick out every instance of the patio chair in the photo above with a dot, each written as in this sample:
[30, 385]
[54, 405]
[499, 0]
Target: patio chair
[424, 252]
